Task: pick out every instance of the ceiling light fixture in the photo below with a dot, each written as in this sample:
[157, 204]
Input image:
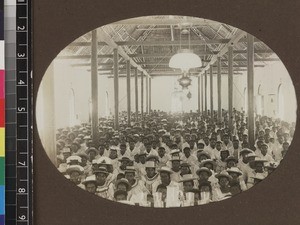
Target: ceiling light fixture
[185, 58]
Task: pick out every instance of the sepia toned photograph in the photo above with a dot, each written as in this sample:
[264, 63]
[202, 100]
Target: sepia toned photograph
[166, 111]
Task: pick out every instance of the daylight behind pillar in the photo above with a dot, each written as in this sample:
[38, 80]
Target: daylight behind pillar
[219, 90]
[230, 86]
[211, 92]
[136, 94]
[128, 93]
[250, 84]
[116, 87]
[94, 86]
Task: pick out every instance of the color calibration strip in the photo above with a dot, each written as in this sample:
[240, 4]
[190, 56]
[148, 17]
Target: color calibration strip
[2, 113]
[18, 112]
[10, 120]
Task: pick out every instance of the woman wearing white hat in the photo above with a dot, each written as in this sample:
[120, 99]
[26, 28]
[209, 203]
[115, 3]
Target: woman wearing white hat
[90, 184]
[105, 187]
[236, 175]
[223, 191]
[151, 175]
[75, 172]
[165, 179]
[138, 191]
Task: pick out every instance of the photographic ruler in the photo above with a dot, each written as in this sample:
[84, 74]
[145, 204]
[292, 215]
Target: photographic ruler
[18, 157]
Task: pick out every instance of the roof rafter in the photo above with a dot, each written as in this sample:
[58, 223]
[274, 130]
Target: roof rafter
[235, 39]
[104, 36]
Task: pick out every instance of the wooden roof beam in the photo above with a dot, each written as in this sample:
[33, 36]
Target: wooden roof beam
[160, 55]
[235, 39]
[104, 36]
[166, 63]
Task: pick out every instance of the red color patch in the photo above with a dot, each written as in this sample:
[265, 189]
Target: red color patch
[2, 112]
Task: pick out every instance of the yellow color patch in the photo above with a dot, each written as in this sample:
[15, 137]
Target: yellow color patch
[2, 142]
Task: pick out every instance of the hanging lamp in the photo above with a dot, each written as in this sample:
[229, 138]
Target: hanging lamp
[185, 58]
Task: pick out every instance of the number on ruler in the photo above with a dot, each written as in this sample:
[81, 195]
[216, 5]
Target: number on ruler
[21, 82]
[21, 55]
[21, 190]
[21, 109]
[22, 163]
[20, 27]
[23, 217]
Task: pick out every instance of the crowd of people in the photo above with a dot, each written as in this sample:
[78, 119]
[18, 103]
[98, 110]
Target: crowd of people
[172, 160]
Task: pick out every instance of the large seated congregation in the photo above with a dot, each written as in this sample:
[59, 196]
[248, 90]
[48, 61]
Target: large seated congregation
[172, 160]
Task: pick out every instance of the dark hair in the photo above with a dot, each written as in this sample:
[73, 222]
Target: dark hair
[120, 175]
[205, 183]
[161, 186]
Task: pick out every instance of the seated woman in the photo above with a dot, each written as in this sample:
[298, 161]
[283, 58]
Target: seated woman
[188, 185]
[205, 193]
[236, 175]
[223, 191]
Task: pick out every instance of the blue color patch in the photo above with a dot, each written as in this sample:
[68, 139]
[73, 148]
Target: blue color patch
[2, 199]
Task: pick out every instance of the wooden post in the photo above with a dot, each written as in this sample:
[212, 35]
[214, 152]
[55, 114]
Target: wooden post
[250, 86]
[94, 87]
[128, 93]
[202, 93]
[211, 92]
[199, 94]
[219, 90]
[230, 85]
[147, 94]
[116, 87]
[142, 97]
[136, 95]
[150, 94]
[205, 91]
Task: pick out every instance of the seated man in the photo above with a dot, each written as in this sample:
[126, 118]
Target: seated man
[163, 158]
[188, 157]
[222, 164]
[175, 167]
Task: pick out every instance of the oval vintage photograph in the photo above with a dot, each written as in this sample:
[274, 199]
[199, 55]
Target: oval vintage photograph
[166, 111]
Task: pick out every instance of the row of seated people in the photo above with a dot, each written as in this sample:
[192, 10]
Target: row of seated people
[195, 159]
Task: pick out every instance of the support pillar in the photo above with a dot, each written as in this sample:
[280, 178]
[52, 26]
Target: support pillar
[136, 95]
[199, 94]
[116, 87]
[219, 90]
[250, 87]
[202, 93]
[205, 91]
[142, 97]
[147, 95]
[211, 92]
[94, 87]
[150, 99]
[128, 93]
[230, 85]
